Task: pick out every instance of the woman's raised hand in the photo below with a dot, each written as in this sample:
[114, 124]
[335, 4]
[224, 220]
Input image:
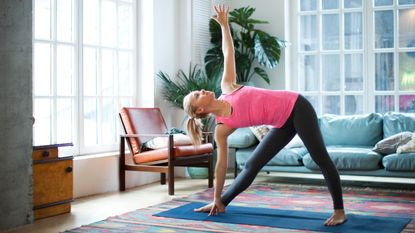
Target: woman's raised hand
[221, 14]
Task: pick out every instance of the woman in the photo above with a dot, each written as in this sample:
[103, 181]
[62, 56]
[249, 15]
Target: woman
[240, 106]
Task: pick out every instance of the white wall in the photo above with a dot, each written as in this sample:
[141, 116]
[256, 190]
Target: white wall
[273, 12]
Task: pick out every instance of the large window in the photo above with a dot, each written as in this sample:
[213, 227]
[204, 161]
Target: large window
[355, 56]
[84, 56]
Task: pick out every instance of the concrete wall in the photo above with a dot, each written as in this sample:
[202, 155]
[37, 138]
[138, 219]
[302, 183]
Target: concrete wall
[15, 113]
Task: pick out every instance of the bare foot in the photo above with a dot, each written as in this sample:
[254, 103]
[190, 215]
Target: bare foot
[338, 217]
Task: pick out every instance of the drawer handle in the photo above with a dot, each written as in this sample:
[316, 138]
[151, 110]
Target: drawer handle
[45, 153]
[69, 169]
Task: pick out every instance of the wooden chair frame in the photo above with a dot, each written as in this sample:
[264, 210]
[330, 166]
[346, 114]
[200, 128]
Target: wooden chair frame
[163, 166]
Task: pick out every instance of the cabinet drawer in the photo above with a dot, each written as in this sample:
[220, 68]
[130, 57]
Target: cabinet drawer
[52, 182]
[43, 154]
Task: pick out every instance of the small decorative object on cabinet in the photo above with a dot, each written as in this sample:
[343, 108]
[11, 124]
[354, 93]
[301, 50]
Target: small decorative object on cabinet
[52, 181]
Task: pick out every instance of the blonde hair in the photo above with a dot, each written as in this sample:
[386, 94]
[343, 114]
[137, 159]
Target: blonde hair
[194, 123]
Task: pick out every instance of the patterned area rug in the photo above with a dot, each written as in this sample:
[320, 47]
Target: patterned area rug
[363, 201]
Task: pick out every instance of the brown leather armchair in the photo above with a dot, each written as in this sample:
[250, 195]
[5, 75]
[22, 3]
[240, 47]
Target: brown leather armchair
[143, 124]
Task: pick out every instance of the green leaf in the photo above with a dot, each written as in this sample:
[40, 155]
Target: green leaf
[262, 73]
[214, 62]
[215, 33]
[243, 66]
[267, 49]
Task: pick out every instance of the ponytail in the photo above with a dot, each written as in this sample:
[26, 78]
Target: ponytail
[194, 124]
[194, 129]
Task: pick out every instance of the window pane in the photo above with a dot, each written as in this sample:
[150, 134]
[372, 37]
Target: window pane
[314, 101]
[308, 31]
[125, 26]
[309, 78]
[90, 71]
[42, 69]
[330, 72]
[331, 105]
[407, 103]
[125, 74]
[353, 72]
[384, 29]
[107, 72]
[43, 121]
[353, 4]
[407, 28]
[91, 21]
[108, 121]
[406, 2]
[308, 5]
[90, 121]
[353, 30]
[65, 20]
[108, 23]
[330, 32]
[42, 19]
[353, 104]
[384, 103]
[384, 71]
[65, 70]
[383, 2]
[65, 120]
[330, 4]
[407, 71]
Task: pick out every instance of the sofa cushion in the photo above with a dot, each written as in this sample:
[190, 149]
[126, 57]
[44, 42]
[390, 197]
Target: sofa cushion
[394, 122]
[399, 162]
[356, 130]
[390, 144]
[349, 158]
[286, 157]
[242, 138]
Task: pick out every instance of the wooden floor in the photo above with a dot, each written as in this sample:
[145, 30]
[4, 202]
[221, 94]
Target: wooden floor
[98, 207]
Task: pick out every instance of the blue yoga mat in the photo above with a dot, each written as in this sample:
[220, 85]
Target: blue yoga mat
[289, 219]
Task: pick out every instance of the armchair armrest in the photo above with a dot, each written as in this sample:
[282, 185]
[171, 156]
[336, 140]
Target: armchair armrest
[143, 135]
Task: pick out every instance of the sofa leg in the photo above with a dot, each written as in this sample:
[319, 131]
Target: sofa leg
[235, 170]
[162, 178]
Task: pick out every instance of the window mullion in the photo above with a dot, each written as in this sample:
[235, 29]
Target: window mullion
[79, 98]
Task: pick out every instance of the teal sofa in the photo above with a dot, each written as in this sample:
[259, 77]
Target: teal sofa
[349, 141]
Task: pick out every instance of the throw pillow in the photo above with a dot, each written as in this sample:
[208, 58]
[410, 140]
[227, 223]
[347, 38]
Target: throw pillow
[390, 144]
[162, 142]
[408, 147]
[259, 131]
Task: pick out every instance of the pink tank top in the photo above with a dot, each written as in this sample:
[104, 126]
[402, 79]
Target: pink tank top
[256, 106]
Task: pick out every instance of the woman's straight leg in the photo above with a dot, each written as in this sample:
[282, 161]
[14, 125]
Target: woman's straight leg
[306, 124]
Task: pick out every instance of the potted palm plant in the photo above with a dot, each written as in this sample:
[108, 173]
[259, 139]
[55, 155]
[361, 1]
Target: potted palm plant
[175, 90]
[251, 45]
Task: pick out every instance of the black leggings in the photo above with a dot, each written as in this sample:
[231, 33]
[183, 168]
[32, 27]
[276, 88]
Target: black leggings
[303, 120]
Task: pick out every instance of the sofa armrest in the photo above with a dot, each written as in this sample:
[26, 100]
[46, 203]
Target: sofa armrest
[242, 138]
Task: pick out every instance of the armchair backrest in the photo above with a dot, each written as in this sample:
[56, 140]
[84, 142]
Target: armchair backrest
[141, 121]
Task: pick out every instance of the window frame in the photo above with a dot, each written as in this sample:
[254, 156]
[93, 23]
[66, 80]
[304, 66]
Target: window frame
[78, 96]
[369, 91]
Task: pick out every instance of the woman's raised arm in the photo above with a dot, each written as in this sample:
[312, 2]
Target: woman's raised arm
[228, 83]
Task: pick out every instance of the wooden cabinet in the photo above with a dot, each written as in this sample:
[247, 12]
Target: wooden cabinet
[52, 181]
